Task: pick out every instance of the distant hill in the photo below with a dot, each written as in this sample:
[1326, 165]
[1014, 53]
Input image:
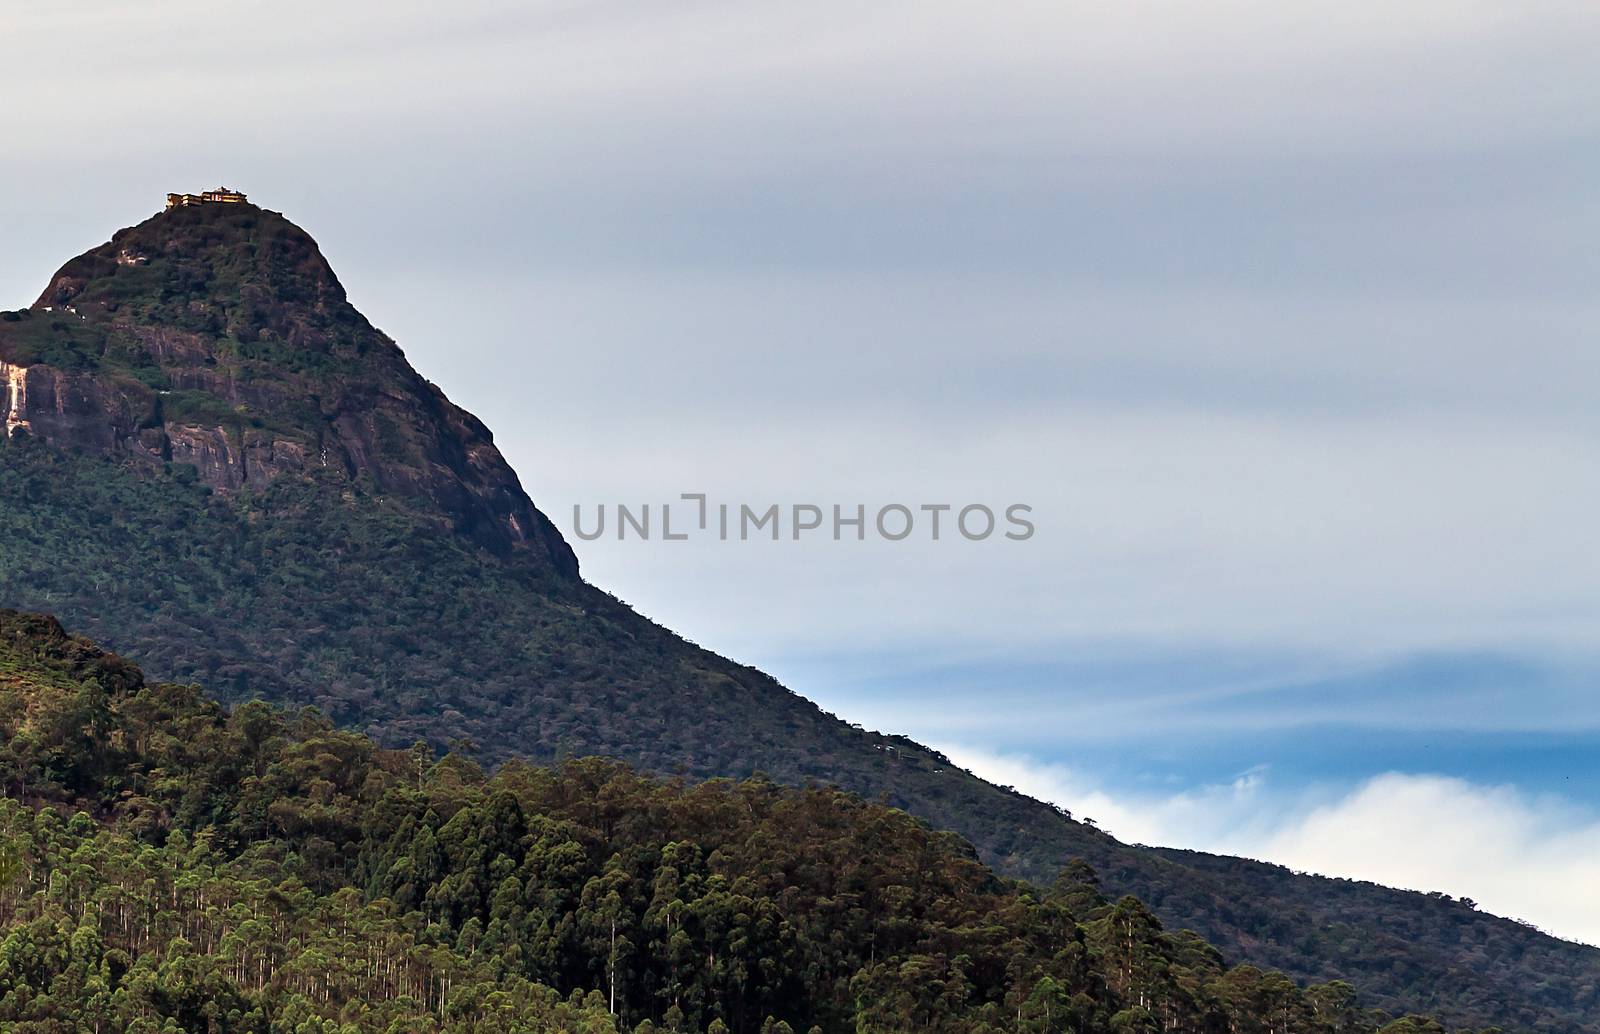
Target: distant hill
[219, 468]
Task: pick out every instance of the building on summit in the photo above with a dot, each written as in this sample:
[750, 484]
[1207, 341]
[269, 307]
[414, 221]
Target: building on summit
[220, 196]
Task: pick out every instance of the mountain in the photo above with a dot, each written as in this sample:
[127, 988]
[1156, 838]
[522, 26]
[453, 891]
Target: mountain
[307, 878]
[221, 340]
[220, 469]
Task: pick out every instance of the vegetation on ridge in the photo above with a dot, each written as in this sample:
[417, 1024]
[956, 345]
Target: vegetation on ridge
[166, 865]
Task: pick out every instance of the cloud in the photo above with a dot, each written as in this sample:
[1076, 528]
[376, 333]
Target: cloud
[1532, 857]
[1195, 818]
[1161, 75]
[1356, 535]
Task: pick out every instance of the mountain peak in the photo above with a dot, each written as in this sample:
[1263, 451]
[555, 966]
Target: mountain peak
[232, 269]
[216, 335]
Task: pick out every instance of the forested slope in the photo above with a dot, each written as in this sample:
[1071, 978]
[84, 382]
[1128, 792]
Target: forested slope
[168, 865]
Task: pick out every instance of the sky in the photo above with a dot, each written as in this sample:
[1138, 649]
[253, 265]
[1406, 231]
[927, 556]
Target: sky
[1278, 317]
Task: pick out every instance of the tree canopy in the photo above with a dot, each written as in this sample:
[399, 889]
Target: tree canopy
[167, 864]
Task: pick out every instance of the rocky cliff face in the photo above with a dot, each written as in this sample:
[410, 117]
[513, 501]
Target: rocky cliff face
[217, 336]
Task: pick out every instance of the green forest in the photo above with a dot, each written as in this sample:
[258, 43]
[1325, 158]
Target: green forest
[167, 864]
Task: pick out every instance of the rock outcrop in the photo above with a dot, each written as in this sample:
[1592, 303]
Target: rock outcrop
[229, 345]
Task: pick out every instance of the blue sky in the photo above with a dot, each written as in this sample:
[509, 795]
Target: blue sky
[1281, 317]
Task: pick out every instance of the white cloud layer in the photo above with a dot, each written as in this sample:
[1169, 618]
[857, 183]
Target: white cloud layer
[1535, 858]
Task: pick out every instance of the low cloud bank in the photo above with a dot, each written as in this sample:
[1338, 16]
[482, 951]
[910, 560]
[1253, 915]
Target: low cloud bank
[1531, 857]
